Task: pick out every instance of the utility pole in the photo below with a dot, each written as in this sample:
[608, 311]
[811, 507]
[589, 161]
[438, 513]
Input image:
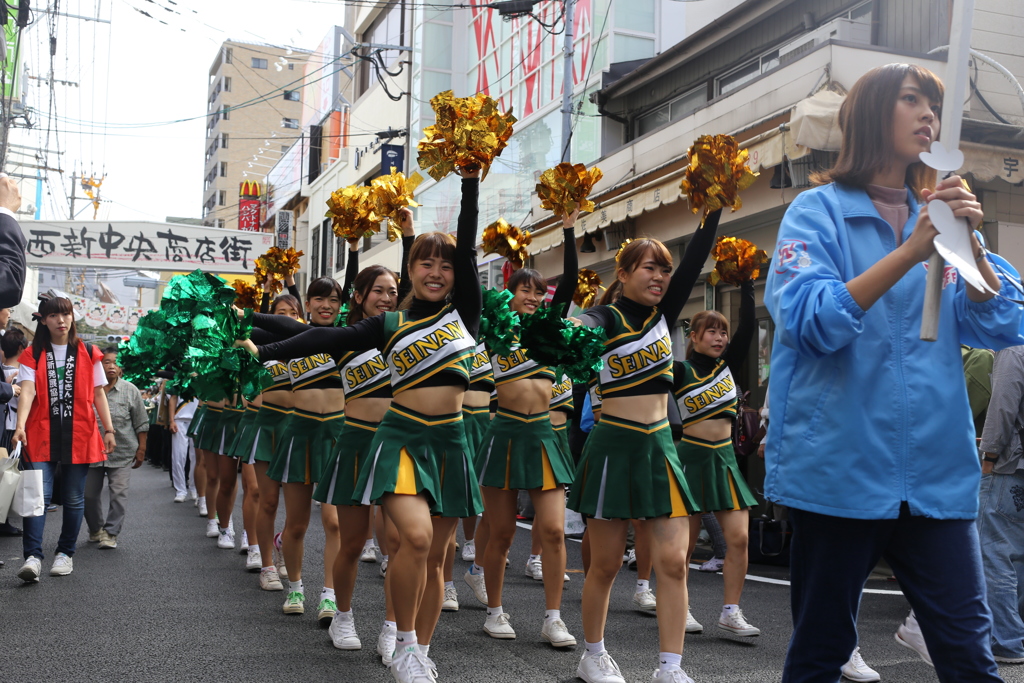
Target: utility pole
[74, 183]
[567, 84]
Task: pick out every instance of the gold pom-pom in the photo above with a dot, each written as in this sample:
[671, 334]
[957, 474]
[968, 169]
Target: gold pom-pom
[247, 295]
[738, 261]
[717, 172]
[266, 282]
[507, 240]
[469, 133]
[565, 188]
[351, 212]
[279, 262]
[391, 193]
[588, 286]
[622, 247]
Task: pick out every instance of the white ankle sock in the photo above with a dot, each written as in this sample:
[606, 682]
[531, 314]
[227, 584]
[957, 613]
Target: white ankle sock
[476, 570]
[669, 660]
[494, 611]
[641, 585]
[534, 557]
[552, 614]
[425, 649]
[404, 639]
[449, 584]
[296, 586]
[268, 568]
[383, 558]
[327, 594]
[729, 609]
[391, 625]
[368, 544]
[594, 648]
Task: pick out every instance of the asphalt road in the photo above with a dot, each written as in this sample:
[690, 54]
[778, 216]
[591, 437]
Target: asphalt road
[168, 605]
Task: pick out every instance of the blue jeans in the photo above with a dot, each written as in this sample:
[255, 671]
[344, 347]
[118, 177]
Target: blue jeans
[1001, 531]
[938, 564]
[73, 486]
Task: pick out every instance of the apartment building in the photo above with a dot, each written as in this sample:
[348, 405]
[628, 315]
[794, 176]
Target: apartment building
[254, 108]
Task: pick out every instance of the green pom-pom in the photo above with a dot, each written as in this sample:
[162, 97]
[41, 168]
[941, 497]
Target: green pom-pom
[550, 339]
[498, 322]
[343, 312]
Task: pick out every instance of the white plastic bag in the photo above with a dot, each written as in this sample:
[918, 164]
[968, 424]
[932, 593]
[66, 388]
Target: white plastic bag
[28, 498]
[10, 476]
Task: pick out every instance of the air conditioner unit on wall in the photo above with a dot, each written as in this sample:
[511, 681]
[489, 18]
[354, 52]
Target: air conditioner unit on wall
[844, 30]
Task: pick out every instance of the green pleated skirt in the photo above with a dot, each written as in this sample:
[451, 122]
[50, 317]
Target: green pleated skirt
[224, 435]
[307, 441]
[338, 484]
[197, 422]
[266, 432]
[713, 476]
[209, 431]
[412, 454]
[630, 470]
[241, 444]
[475, 421]
[562, 434]
[523, 452]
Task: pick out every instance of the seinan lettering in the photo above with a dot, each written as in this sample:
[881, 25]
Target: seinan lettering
[517, 358]
[418, 351]
[709, 395]
[622, 366]
[366, 371]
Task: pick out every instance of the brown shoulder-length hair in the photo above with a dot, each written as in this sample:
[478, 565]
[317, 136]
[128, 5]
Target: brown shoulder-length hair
[700, 323]
[361, 285]
[633, 254]
[56, 304]
[865, 119]
[429, 245]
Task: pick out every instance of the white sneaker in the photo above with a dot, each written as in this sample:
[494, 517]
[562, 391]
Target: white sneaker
[383, 567]
[599, 668]
[535, 569]
[244, 545]
[212, 529]
[180, 498]
[909, 635]
[278, 559]
[62, 565]
[193, 496]
[670, 676]
[108, 543]
[411, 666]
[343, 632]
[369, 554]
[386, 644]
[476, 582]
[857, 670]
[469, 551]
[201, 504]
[269, 579]
[31, 570]
[451, 600]
[713, 565]
[735, 623]
[631, 560]
[226, 538]
[499, 626]
[555, 632]
[253, 559]
[644, 601]
[692, 625]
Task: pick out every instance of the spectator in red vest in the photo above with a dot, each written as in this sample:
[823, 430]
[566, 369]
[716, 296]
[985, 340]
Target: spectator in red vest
[62, 379]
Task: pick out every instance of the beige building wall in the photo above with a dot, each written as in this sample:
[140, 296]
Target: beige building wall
[244, 73]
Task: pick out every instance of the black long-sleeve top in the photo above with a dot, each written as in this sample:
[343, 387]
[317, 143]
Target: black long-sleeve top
[570, 269]
[352, 270]
[265, 302]
[369, 333]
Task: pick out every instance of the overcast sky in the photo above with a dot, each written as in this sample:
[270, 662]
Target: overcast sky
[139, 71]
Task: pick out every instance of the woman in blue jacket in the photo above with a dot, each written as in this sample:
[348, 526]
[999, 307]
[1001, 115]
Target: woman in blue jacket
[872, 445]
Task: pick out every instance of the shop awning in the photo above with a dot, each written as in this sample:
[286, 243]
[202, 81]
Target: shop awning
[986, 162]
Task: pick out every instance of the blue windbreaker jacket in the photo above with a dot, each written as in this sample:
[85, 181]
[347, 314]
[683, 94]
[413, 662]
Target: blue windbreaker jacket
[865, 415]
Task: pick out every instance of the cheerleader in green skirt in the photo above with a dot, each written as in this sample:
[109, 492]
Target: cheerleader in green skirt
[629, 468]
[207, 440]
[705, 390]
[419, 465]
[521, 451]
[367, 382]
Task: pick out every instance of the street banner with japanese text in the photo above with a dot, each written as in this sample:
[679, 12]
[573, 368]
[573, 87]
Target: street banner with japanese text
[143, 245]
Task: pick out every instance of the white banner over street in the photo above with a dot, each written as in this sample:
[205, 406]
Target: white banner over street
[144, 245]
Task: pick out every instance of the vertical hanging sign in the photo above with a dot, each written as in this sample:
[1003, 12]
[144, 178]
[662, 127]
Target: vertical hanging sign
[249, 206]
[284, 228]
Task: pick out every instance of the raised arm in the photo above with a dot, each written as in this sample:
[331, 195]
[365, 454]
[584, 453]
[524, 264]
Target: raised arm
[365, 334]
[570, 262]
[279, 325]
[351, 270]
[736, 353]
[683, 279]
[404, 283]
[466, 295]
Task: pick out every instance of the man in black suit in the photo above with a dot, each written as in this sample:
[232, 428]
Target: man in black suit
[12, 244]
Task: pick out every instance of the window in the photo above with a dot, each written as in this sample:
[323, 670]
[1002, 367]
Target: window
[222, 197]
[258, 63]
[291, 95]
[672, 111]
[224, 140]
[289, 123]
[227, 84]
[291, 67]
[314, 260]
[385, 29]
[223, 169]
[747, 72]
[228, 53]
[225, 112]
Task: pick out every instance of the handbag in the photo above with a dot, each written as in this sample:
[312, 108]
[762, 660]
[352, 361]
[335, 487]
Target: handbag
[747, 431]
[769, 542]
[10, 475]
[29, 500]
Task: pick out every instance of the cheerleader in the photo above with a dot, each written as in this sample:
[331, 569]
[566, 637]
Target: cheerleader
[521, 451]
[209, 437]
[705, 390]
[629, 468]
[305, 440]
[418, 463]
